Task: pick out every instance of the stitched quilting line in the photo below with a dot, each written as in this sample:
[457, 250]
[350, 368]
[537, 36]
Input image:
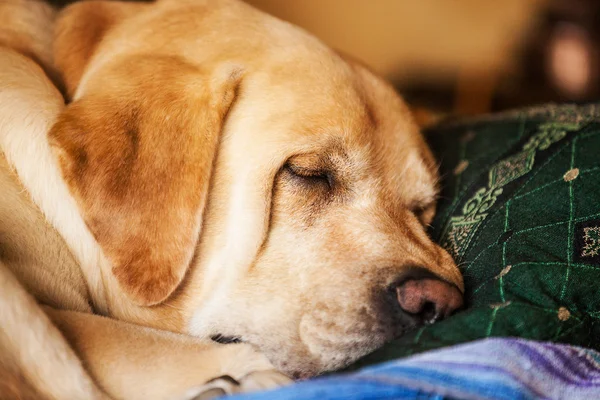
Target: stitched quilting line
[585, 135]
[522, 119]
[570, 228]
[593, 314]
[489, 218]
[418, 335]
[559, 180]
[556, 223]
[501, 288]
[459, 233]
[548, 310]
[482, 253]
[538, 188]
[533, 175]
[521, 304]
[534, 263]
[510, 144]
[495, 308]
[471, 263]
[490, 326]
[504, 264]
[554, 311]
[560, 334]
[459, 197]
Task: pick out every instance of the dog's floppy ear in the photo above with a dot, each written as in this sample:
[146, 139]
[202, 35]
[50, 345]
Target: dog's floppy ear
[136, 151]
[138, 159]
[80, 28]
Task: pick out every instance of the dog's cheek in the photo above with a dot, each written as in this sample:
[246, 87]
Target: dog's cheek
[323, 303]
[313, 327]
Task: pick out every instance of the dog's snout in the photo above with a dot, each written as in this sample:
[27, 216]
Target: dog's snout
[428, 297]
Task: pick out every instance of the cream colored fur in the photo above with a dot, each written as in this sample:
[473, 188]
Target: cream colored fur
[36, 362]
[293, 269]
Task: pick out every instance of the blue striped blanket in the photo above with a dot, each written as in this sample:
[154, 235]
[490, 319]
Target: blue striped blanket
[510, 369]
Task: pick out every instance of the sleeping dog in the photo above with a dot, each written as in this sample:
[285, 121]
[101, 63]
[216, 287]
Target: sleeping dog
[221, 202]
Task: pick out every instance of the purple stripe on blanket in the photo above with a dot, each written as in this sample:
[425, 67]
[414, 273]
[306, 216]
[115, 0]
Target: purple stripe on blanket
[577, 364]
[495, 369]
[572, 364]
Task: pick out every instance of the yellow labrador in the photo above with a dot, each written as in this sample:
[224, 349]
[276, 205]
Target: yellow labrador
[218, 176]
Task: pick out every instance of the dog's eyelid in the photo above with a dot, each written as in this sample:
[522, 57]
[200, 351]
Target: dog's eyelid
[308, 161]
[420, 207]
[424, 211]
[303, 171]
[310, 174]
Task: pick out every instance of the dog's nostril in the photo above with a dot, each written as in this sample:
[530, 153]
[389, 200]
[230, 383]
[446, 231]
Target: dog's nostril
[429, 313]
[430, 299]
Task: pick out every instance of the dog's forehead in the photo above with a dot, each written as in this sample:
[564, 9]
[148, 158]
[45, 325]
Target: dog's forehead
[358, 122]
[398, 147]
[394, 160]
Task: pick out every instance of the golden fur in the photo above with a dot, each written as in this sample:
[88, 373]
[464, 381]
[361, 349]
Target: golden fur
[216, 171]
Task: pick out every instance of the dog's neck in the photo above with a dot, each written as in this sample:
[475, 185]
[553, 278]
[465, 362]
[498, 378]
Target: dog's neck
[34, 251]
[33, 104]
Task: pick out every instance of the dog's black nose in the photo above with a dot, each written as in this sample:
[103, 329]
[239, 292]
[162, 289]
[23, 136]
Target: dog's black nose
[427, 297]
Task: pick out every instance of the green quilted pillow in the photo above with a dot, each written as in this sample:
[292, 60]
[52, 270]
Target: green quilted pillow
[520, 212]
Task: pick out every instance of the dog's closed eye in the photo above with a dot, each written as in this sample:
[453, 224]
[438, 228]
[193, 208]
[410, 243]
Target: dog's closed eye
[310, 170]
[425, 212]
[310, 176]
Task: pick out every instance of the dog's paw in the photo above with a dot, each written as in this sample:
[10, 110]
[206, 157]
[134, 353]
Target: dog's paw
[263, 380]
[215, 388]
[226, 385]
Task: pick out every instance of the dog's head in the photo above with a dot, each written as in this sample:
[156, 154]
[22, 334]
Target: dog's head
[228, 159]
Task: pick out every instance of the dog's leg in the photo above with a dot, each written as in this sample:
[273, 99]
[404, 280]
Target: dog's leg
[133, 362]
[35, 360]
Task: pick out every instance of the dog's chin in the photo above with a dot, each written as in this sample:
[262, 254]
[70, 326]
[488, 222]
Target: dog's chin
[319, 350]
[332, 354]
[299, 362]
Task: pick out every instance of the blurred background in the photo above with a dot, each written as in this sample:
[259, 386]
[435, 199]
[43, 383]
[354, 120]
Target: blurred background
[464, 56]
